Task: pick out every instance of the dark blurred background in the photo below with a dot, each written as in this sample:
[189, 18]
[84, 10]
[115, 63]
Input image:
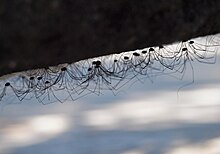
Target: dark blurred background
[40, 33]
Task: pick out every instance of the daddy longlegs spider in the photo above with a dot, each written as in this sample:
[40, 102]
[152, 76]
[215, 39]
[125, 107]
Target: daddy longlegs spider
[109, 72]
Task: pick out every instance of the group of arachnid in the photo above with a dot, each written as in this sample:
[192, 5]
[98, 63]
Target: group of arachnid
[106, 73]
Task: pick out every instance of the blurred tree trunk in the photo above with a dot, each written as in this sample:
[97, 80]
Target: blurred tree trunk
[40, 33]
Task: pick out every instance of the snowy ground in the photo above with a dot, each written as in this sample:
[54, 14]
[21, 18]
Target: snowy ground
[149, 118]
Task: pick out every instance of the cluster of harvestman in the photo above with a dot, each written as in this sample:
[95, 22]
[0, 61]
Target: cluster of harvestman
[106, 73]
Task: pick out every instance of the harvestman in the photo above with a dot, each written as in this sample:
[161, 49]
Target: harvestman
[109, 72]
